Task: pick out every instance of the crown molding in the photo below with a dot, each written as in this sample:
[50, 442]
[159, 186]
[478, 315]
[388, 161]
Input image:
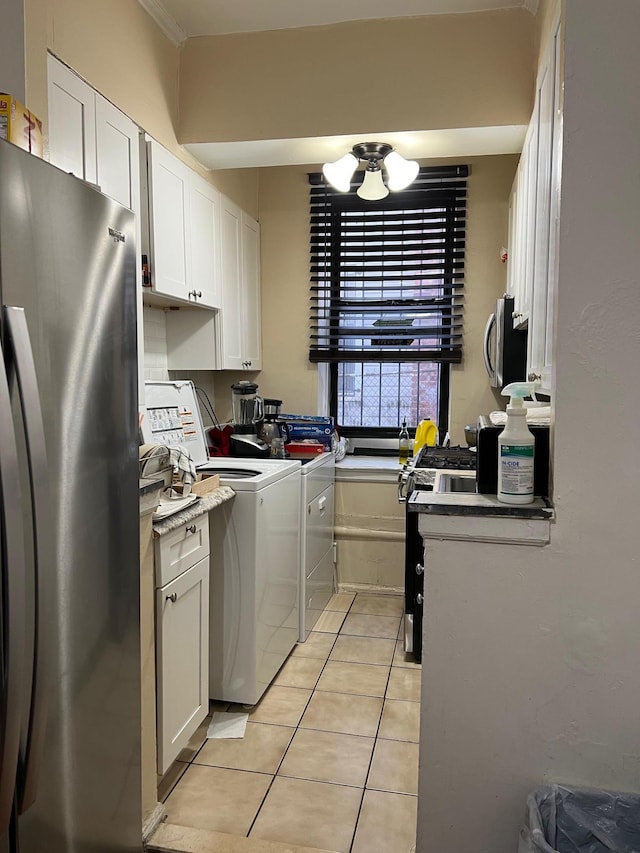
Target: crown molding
[163, 19]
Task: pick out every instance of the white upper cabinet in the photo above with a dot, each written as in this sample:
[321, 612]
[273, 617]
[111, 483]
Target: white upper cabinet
[168, 222]
[251, 325]
[541, 323]
[204, 217]
[230, 323]
[534, 210]
[232, 339]
[117, 160]
[239, 336]
[72, 122]
[184, 241]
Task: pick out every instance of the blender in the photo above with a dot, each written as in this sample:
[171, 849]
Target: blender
[247, 415]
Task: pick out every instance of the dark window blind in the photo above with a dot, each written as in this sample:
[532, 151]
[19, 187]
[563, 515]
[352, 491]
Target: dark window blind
[387, 276]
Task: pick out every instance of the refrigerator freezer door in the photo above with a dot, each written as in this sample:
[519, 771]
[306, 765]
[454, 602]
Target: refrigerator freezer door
[67, 256]
[19, 355]
[12, 615]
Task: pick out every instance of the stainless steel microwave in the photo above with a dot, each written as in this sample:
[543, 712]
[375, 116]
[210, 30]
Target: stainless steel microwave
[505, 348]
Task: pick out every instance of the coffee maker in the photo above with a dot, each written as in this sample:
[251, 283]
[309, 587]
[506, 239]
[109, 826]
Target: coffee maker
[247, 416]
[274, 432]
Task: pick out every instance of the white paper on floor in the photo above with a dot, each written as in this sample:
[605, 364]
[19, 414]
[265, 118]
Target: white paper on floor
[224, 725]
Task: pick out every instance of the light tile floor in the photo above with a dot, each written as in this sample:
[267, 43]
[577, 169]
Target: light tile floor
[329, 760]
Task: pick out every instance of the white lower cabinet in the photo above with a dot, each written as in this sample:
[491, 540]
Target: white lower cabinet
[182, 638]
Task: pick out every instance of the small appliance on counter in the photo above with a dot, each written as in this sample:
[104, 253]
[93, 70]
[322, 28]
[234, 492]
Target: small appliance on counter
[274, 431]
[247, 416]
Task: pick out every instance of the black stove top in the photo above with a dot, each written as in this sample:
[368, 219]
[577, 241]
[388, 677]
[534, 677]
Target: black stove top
[446, 457]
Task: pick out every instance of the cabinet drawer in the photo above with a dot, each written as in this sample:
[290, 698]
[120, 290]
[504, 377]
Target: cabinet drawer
[182, 548]
[319, 528]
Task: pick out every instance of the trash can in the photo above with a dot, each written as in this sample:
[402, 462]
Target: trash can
[581, 820]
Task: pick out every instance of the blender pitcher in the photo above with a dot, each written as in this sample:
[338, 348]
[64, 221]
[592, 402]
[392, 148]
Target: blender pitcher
[247, 408]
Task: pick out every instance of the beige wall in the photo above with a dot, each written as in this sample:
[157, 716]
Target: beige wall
[284, 216]
[369, 530]
[120, 51]
[432, 72]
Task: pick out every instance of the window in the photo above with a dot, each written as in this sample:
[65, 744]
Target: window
[386, 299]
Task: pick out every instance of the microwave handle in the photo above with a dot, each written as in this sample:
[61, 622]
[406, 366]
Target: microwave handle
[486, 348]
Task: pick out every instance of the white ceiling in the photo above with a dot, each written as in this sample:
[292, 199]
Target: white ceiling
[184, 18]
[181, 19]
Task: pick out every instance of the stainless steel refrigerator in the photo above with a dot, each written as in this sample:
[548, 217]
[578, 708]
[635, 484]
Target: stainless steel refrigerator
[69, 541]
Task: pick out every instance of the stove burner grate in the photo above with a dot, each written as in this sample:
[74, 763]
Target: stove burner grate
[458, 457]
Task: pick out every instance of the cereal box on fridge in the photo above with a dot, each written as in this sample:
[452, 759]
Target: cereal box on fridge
[19, 125]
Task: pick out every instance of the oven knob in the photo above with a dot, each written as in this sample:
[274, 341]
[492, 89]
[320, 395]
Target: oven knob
[419, 598]
[419, 569]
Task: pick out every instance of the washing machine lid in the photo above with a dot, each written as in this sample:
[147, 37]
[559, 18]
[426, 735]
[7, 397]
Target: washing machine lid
[173, 417]
[249, 475]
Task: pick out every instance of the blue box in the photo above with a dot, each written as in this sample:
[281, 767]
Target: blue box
[310, 426]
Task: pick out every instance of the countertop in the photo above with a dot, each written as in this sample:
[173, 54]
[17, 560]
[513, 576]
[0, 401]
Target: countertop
[465, 504]
[205, 504]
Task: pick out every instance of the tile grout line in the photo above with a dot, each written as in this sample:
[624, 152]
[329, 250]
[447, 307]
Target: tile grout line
[373, 751]
[297, 728]
[284, 754]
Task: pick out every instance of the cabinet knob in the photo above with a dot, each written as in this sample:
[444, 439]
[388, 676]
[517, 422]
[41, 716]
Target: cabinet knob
[516, 314]
[419, 598]
[248, 364]
[534, 377]
[419, 569]
[172, 598]
[198, 294]
[191, 529]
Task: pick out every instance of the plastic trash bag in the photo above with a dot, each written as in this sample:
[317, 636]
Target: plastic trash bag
[581, 820]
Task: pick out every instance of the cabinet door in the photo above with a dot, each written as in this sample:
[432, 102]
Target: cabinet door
[554, 218]
[231, 319]
[543, 262]
[118, 163]
[251, 315]
[169, 222]
[204, 214]
[182, 660]
[72, 122]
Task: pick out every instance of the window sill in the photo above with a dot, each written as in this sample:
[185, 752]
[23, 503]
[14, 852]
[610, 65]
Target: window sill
[367, 469]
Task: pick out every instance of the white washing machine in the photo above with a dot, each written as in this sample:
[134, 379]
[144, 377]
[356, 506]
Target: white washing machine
[254, 559]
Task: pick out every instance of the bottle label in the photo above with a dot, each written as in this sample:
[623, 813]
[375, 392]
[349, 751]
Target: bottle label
[516, 469]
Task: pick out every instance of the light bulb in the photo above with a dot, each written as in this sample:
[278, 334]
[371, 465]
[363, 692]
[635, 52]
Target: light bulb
[339, 174]
[372, 187]
[400, 172]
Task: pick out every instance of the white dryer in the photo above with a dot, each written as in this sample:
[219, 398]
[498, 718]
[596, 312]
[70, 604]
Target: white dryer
[317, 545]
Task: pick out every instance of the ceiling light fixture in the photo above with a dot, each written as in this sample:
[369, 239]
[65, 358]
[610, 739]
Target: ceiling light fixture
[400, 172]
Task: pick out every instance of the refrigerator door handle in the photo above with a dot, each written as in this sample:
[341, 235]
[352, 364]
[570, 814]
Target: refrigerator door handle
[486, 348]
[22, 363]
[12, 605]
